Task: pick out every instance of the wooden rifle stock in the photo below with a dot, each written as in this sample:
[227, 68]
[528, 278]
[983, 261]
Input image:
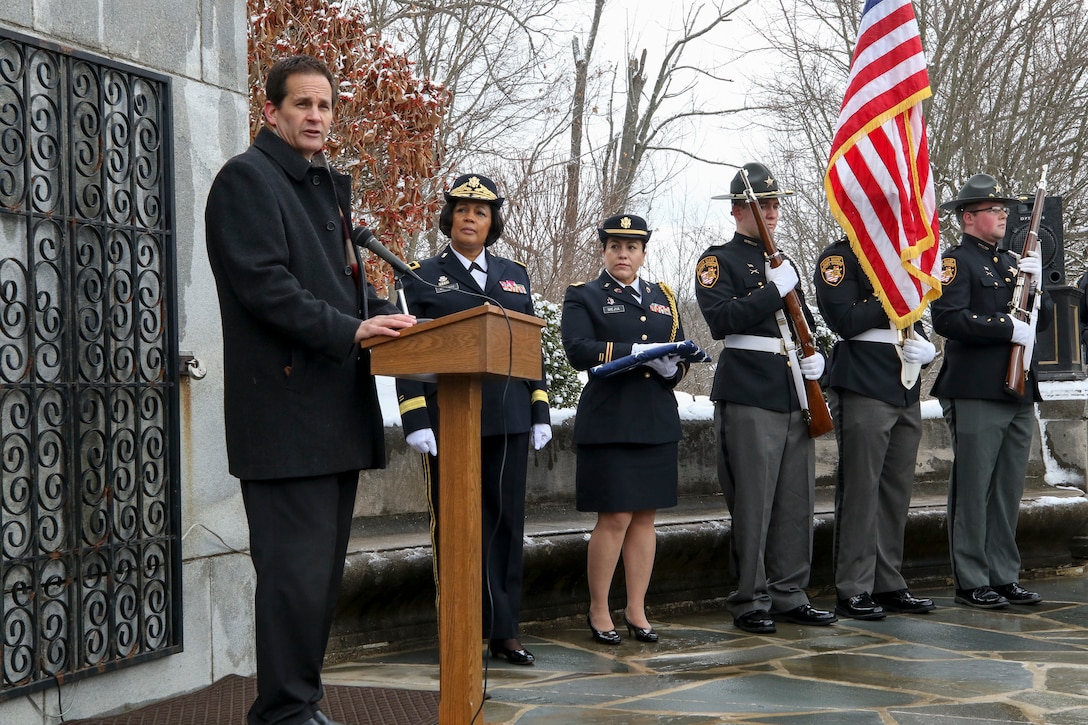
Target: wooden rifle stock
[1022, 301]
[817, 414]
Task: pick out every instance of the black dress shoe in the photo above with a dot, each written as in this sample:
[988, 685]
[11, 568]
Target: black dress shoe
[755, 621]
[1016, 594]
[806, 614]
[609, 637]
[322, 719]
[642, 635]
[981, 597]
[903, 601]
[859, 606]
[514, 655]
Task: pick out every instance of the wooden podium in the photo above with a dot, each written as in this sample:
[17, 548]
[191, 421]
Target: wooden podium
[461, 349]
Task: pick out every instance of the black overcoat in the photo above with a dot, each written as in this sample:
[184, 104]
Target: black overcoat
[298, 396]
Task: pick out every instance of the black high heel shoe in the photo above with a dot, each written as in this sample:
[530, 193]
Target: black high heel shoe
[609, 637]
[642, 635]
[514, 655]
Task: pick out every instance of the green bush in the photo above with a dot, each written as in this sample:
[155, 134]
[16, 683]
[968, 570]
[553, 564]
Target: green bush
[564, 385]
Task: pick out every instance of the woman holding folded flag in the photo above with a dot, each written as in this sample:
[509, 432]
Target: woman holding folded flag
[627, 427]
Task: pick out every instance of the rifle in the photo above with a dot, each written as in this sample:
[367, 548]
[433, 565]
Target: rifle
[816, 414]
[1024, 304]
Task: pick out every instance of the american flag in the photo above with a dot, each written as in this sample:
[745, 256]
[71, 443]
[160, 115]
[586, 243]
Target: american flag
[878, 180]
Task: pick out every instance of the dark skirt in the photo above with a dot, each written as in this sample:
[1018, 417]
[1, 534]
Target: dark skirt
[626, 477]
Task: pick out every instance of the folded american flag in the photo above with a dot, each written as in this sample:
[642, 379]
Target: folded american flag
[688, 351]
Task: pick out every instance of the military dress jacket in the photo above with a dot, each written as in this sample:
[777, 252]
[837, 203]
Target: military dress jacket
[601, 321]
[849, 306]
[972, 313]
[298, 396]
[507, 284]
[736, 298]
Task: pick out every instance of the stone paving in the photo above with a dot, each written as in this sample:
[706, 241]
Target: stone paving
[953, 666]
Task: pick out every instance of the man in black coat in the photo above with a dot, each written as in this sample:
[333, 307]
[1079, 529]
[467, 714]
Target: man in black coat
[301, 411]
[766, 460]
[878, 425]
[991, 428]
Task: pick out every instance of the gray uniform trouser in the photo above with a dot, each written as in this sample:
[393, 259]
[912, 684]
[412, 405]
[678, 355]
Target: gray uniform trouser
[878, 449]
[991, 441]
[766, 468]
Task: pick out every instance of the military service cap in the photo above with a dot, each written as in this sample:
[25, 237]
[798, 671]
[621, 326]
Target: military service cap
[763, 184]
[475, 187]
[625, 226]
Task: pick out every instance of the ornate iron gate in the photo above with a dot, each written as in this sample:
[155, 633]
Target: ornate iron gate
[90, 548]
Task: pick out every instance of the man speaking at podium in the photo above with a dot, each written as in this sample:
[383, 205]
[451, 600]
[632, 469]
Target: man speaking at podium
[302, 415]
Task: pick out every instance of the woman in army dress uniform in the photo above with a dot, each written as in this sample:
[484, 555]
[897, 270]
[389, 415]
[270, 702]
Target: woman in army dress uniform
[513, 416]
[627, 427]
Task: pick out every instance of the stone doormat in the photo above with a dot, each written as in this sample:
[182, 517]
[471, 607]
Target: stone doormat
[226, 701]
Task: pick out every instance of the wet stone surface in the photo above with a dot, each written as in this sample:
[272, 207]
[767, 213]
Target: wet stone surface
[953, 666]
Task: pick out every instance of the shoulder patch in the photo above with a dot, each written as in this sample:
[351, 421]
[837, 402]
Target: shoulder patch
[832, 269]
[707, 271]
[413, 265]
[948, 270]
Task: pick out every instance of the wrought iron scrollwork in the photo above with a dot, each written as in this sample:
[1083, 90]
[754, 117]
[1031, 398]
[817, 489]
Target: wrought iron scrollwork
[90, 551]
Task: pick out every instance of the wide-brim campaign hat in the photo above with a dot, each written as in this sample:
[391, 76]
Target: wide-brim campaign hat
[980, 187]
[763, 184]
[475, 187]
[624, 226]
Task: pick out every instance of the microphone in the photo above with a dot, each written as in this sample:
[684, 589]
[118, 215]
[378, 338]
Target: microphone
[365, 238]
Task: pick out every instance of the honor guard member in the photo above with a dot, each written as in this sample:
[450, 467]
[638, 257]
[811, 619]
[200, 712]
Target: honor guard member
[766, 459]
[878, 424]
[514, 414]
[627, 428]
[991, 428]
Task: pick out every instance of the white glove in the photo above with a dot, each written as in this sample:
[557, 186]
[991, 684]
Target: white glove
[665, 366]
[784, 277]
[1021, 332]
[422, 441]
[812, 367]
[918, 351]
[542, 433]
[1031, 264]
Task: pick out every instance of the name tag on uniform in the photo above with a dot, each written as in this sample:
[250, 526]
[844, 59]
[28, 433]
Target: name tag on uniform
[447, 287]
[613, 309]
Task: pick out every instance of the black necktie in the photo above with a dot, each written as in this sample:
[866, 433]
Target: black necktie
[475, 267]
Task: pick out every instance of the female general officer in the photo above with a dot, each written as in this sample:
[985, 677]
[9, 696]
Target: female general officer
[512, 415]
[627, 427]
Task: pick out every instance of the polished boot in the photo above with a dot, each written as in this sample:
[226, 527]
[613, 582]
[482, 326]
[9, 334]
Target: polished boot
[903, 601]
[1016, 594]
[642, 635]
[755, 621]
[806, 614]
[981, 597]
[859, 606]
[513, 652]
[609, 637]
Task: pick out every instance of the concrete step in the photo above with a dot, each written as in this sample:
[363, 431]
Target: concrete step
[389, 594]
